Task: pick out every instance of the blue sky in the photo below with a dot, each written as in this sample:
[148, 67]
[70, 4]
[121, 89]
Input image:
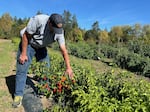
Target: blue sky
[108, 13]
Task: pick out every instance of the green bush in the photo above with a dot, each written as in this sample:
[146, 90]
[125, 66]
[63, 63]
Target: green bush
[93, 92]
[109, 51]
[15, 40]
[133, 62]
[139, 48]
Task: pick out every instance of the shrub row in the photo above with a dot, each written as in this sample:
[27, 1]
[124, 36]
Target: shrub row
[123, 57]
[94, 92]
[82, 50]
[129, 60]
[133, 62]
[139, 47]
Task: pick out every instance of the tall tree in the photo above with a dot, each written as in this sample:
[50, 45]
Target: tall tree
[127, 33]
[39, 12]
[76, 35]
[74, 22]
[18, 24]
[146, 31]
[104, 37]
[95, 26]
[89, 35]
[67, 20]
[67, 24]
[137, 30]
[93, 34]
[116, 34]
[5, 25]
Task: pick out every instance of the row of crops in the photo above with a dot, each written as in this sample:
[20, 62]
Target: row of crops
[135, 56]
[90, 91]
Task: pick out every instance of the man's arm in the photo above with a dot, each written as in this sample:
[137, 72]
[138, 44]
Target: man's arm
[23, 57]
[67, 61]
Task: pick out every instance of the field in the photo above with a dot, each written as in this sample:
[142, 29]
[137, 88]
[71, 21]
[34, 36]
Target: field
[7, 72]
[7, 68]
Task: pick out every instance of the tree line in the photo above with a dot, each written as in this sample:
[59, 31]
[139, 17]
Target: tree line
[10, 27]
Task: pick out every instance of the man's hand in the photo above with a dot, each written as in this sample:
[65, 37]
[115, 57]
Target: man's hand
[23, 58]
[67, 61]
[69, 72]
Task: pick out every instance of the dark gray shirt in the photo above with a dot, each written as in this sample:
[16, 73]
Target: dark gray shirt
[39, 28]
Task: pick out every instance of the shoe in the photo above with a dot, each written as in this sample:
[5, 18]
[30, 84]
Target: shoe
[17, 101]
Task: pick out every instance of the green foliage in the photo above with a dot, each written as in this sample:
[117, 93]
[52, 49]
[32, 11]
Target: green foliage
[109, 92]
[109, 51]
[93, 92]
[133, 62]
[10, 27]
[123, 57]
[83, 50]
[116, 34]
[7, 58]
[139, 47]
[15, 40]
[76, 35]
[95, 26]
[104, 37]
[91, 35]
[5, 25]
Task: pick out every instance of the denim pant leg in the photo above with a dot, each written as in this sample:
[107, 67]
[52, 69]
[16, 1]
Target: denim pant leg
[22, 69]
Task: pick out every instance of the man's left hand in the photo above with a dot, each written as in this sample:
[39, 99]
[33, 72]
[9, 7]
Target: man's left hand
[69, 72]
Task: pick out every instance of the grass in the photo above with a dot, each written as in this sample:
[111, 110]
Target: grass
[7, 64]
[7, 57]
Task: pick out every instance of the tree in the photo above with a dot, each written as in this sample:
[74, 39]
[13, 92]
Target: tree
[95, 26]
[88, 35]
[77, 34]
[127, 33]
[74, 22]
[39, 12]
[146, 31]
[93, 34]
[67, 20]
[104, 37]
[5, 25]
[137, 31]
[18, 24]
[67, 24]
[116, 34]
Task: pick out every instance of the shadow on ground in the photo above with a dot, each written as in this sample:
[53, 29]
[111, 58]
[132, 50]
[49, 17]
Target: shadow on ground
[10, 81]
[30, 102]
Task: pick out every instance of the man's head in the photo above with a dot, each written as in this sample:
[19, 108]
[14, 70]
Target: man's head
[57, 22]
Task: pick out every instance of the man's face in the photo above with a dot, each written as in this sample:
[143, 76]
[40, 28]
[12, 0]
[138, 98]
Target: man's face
[59, 25]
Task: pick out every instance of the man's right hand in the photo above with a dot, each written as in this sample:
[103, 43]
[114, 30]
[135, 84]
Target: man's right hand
[23, 58]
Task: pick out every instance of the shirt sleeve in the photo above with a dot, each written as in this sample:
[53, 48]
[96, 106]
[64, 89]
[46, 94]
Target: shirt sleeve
[22, 32]
[32, 25]
[60, 38]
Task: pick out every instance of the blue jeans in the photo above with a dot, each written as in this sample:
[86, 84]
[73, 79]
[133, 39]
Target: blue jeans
[22, 69]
